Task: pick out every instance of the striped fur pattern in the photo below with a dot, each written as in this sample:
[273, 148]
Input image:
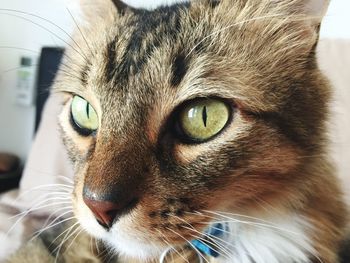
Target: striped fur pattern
[267, 174]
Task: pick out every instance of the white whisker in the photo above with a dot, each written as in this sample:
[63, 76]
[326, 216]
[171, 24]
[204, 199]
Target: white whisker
[65, 238]
[38, 233]
[192, 228]
[266, 224]
[46, 29]
[187, 241]
[41, 205]
[67, 179]
[163, 256]
[72, 242]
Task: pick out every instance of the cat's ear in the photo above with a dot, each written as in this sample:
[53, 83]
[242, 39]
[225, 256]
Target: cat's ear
[104, 10]
[121, 6]
[314, 10]
[308, 15]
[311, 14]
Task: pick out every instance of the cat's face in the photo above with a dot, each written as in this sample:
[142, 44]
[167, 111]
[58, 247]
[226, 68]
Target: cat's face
[175, 112]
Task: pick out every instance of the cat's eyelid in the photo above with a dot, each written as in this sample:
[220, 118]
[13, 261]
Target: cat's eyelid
[62, 88]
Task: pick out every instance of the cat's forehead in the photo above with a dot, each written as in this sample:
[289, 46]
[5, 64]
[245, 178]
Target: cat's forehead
[146, 35]
[146, 50]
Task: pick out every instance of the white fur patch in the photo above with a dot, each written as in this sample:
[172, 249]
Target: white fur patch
[120, 239]
[284, 242]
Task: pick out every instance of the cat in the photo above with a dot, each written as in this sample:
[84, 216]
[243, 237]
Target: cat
[197, 133]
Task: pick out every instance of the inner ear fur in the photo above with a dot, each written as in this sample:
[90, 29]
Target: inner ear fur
[121, 6]
[303, 17]
[105, 10]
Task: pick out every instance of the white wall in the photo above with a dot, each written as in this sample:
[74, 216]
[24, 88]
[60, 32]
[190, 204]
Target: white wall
[17, 123]
[337, 21]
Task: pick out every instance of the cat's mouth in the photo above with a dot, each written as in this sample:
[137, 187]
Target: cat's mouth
[140, 231]
[134, 236]
[125, 235]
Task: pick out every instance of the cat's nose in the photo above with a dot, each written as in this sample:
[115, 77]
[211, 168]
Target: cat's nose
[107, 212]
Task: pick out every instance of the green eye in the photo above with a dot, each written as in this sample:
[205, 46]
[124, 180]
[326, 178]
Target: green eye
[84, 116]
[201, 120]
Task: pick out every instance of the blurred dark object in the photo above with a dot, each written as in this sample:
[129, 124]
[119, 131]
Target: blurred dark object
[345, 252]
[50, 60]
[10, 171]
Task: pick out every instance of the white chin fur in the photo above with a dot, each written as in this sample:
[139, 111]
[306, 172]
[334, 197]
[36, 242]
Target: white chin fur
[132, 247]
[122, 243]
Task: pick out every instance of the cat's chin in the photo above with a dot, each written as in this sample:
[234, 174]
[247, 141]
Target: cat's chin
[132, 248]
[122, 242]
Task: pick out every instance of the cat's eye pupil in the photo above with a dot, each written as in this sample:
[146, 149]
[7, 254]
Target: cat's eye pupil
[88, 110]
[203, 119]
[205, 116]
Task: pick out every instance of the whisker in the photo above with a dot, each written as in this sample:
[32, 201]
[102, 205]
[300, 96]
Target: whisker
[23, 216]
[53, 241]
[163, 256]
[103, 254]
[218, 249]
[81, 32]
[72, 242]
[20, 48]
[55, 213]
[67, 179]
[97, 248]
[192, 228]
[91, 245]
[66, 237]
[284, 16]
[28, 20]
[49, 197]
[39, 205]
[17, 68]
[39, 232]
[46, 29]
[64, 189]
[265, 224]
[275, 210]
[187, 241]
[68, 73]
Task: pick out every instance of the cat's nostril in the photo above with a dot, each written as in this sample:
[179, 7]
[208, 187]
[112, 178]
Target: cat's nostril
[107, 221]
[106, 212]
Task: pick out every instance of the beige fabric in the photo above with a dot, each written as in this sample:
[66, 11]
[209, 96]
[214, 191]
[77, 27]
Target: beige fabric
[48, 162]
[43, 175]
[334, 60]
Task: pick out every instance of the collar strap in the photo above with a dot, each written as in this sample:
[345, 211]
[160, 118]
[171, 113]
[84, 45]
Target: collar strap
[204, 245]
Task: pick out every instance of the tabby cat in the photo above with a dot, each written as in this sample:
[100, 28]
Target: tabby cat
[197, 133]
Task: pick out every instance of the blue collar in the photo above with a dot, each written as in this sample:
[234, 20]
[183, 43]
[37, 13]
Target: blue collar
[215, 230]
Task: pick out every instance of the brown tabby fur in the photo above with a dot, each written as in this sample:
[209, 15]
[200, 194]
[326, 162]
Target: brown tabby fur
[257, 55]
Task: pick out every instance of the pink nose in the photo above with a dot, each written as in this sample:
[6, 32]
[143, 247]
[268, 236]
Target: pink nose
[110, 204]
[105, 212]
